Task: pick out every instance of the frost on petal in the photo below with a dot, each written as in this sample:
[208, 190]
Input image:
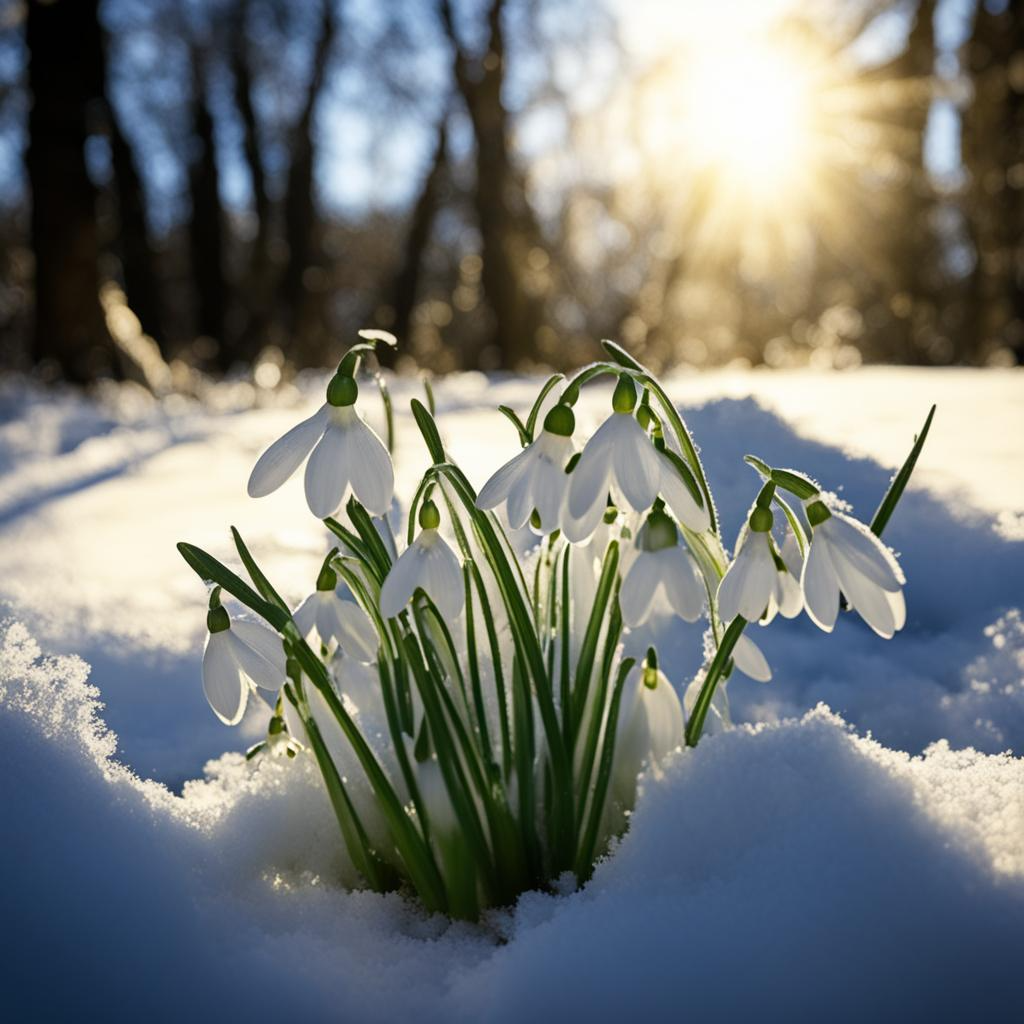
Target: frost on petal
[864, 595]
[401, 581]
[265, 674]
[637, 466]
[684, 585]
[327, 472]
[588, 483]
[284, 456]
[640, 587]
[497, 489]
[750, 660]
[369, 467]
[441, 576]
[222, 680]
[820, 586]
[679, 499]
[863, 550]
[356, 634]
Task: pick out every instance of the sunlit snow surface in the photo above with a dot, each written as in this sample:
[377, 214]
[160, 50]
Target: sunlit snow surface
[789, 870]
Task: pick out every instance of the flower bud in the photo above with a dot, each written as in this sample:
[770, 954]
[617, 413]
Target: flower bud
[429, 518]
[327, 580]
[342, 390]
[817, 513]
[761, 520]
[217, 620]
[624, 396]
[560, 420]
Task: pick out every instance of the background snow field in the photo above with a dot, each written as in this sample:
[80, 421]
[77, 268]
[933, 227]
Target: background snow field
[860, 860]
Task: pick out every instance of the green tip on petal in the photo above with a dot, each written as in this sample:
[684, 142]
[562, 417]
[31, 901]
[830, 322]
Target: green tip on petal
[430, 518]
[342, 390]
[761, 520]
[560, 420]
[624, 396]
[817, 513]
[659, 532]
[217, 620]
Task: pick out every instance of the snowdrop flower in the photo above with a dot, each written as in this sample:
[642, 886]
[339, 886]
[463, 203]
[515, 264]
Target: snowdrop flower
[239, 655]
[662, 568]
[336, 619]
[749, 583]
[428, 564]
[536, 477]
[619, 451]
[650, 727]
[346, 455]
[846, 556]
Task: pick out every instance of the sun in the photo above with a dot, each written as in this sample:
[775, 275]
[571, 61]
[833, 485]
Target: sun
[746, 115]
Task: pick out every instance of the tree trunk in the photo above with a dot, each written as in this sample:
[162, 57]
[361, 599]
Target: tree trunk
[65, 77]
[206, 230]
[508, 227]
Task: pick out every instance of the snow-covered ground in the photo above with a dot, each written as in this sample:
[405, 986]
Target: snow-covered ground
[845, 862]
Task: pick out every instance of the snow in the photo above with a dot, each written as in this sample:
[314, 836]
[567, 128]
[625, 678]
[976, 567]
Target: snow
[863, 860]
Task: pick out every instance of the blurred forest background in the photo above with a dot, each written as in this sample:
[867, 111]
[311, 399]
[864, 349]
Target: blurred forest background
[224, 186]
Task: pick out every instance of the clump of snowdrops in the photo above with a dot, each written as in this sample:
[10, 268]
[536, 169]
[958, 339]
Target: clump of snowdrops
[479, 731]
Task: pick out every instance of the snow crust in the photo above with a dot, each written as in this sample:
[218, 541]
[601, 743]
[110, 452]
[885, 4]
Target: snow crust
[813, 863]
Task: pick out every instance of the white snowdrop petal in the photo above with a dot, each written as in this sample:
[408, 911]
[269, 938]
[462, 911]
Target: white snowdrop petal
[549, 487]
[639, 589]
[679, 499]
[898, 606]
[442, 578]
[497, 489]
[284, 456]
[788, 596]
[401, 581]
[580, 530]
[864, 595]
[761, 580]
[588, 482]
[683, 584]
[863, 550]
[520, 500]
[664, 719]
[637, 469]
[750, 660]
[304, 616]
[254, 666]
[820, 586]
[327, 472]
[222, 680]
[356, 632]
[369, 468]
[326, 619]
[265, 642]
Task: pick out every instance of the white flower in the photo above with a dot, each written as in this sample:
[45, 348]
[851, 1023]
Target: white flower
[347, 455]
[787, 598]
[428, 564]
[663, 568]
[620, 452]
[678, 498]
[534, 479]
[750, 660]
[334, 618]
[846, 556]
[749, 583]
[650, 727]
[239, 655]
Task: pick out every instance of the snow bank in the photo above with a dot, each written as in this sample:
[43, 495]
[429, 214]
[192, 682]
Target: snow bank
[779, 872]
